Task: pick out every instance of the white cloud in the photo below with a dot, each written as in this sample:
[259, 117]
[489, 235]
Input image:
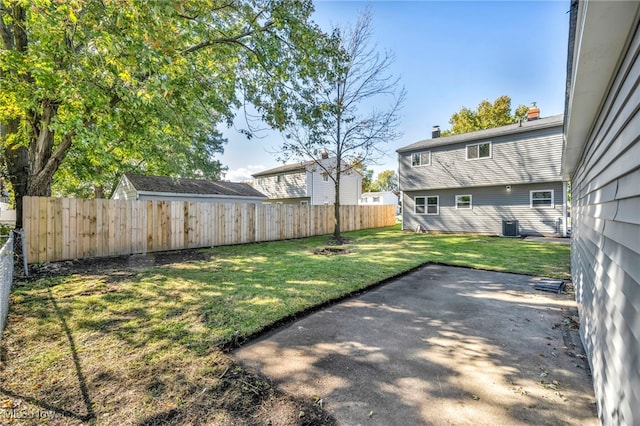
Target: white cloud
[243, 174]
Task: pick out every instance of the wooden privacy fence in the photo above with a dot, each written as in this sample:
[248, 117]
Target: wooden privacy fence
[70, 228]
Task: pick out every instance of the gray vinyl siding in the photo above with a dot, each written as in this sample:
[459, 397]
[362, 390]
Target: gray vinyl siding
[490, 205]
[605, 255]
[520, 158]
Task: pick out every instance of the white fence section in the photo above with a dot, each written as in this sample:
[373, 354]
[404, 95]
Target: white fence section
[6, 279]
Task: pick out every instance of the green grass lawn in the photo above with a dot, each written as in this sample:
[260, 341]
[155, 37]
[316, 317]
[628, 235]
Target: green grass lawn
[121, 347]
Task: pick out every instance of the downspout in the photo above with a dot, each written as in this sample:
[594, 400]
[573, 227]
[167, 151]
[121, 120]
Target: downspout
[401, 196]
[312, 177]
[564, 209]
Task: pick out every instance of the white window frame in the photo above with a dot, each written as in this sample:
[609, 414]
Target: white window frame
[325, 177]
[426, 205]
[279, 178]
[437, 205]
[470, 202]
[304, 202]
[542, 206]
[423, 205]
[419, 157]
[466, 151]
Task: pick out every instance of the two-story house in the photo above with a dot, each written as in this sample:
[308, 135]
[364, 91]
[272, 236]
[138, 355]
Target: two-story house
[308, 183]
[506, 180]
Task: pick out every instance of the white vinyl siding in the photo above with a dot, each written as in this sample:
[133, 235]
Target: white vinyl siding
[421, 159]
[463, 201]
[480, 150]
[541, 198]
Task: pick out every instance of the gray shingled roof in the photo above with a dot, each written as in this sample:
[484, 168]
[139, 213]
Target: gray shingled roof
[191, 186]
[286, 168]
[525, 126]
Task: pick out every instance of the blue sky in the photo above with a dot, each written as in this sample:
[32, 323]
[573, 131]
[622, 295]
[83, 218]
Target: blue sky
[449, 54]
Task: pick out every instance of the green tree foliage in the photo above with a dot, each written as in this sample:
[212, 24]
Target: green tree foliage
[387, 180]
[91, 89]
[367, 180]
[488, 115]
[333, 116]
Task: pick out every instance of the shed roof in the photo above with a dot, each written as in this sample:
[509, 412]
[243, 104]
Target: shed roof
[167, 184]
[510, 129]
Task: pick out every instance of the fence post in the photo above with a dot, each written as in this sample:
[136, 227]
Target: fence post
[6, 279]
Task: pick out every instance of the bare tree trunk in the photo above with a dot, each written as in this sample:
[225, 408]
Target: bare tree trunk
[31, 169]
[17, 161]
[336, 209]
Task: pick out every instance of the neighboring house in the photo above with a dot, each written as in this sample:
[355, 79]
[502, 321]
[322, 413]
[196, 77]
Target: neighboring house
[602, 158]
[379, 198]
[7, 214]
[164, 188]
[307, 183]
[484, 181]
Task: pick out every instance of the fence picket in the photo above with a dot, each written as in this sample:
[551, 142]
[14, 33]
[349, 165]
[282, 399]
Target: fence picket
[67, 228]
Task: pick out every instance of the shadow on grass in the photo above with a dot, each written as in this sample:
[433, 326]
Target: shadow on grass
[90, 414]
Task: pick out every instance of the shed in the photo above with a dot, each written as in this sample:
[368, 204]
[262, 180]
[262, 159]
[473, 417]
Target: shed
[164, 188]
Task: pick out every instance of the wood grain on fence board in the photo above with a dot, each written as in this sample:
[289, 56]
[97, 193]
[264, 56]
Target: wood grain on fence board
[68, 228]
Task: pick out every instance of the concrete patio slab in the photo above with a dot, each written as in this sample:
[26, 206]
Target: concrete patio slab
[439, 346]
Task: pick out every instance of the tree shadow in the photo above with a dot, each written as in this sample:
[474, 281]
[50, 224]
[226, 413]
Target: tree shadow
[82, 383]
[491, 352]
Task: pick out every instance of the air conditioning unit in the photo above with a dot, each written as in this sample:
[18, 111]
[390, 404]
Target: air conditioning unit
[510, 228]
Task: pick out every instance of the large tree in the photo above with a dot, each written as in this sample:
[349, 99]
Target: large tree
[339, 116]
[486, 116]
[119, 84]
[387, 180]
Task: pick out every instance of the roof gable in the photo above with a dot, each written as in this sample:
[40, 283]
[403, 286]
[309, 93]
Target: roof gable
[166, 184]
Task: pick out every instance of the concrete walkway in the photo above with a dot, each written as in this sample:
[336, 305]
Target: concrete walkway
[439, 346]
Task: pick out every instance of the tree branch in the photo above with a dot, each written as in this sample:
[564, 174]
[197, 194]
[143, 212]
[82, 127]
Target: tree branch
[225, 40]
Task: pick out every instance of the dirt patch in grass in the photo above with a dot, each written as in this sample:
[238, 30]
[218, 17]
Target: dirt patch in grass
[125, 265]
[331, 251]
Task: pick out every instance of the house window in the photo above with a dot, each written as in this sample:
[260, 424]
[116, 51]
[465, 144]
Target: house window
[433, 205]
[376, 199]
[279, 178]
[541, 198]
[304, 202]
[421, 159]
[479, 150]
[463, 201]
[427, 205]
[325, 177]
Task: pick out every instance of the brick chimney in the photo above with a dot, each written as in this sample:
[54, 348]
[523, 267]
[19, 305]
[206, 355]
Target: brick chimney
[533, 113]
[435, 132]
